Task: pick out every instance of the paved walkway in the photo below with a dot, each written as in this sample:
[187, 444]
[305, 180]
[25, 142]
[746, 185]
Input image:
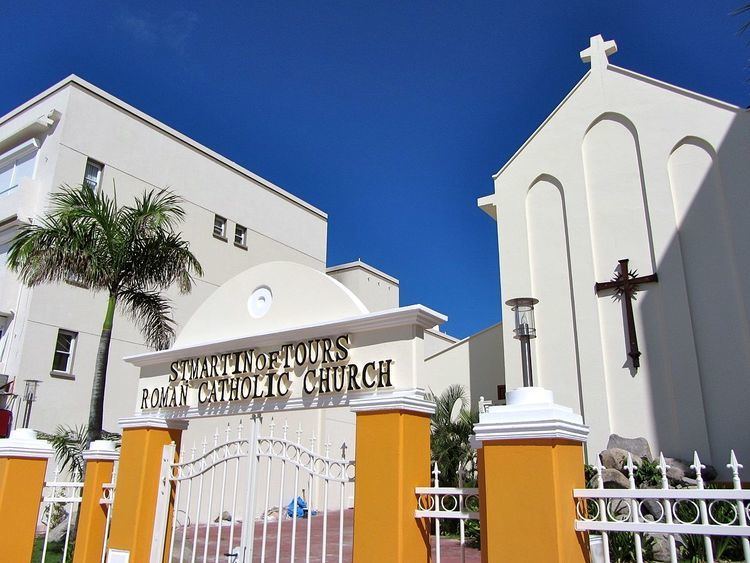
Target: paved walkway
[450, 549]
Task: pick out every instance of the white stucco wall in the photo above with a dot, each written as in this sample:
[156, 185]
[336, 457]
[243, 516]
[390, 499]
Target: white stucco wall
[138, 153]
[376, 289]
[475, 362]
[629, 167]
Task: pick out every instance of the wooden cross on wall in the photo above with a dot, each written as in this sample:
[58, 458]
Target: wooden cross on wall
[625, 283]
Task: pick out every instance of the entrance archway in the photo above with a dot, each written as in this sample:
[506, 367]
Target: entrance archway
[280, 343]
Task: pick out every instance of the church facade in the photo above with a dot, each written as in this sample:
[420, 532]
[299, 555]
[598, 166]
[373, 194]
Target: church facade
[628, 168]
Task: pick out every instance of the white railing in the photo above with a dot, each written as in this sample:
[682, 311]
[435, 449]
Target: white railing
[447, 503]
[189, 477]
[679, 514]
[240, 475]
[319, 474]
[107, 500]
[61, 501]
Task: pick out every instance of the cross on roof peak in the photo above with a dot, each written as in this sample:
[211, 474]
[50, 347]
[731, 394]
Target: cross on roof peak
[598, 51]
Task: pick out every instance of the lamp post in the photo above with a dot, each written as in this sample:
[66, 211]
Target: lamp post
[29, 396]
[523, 308]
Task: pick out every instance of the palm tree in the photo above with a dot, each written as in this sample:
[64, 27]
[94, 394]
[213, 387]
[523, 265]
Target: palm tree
[131, 252]
[451, 428]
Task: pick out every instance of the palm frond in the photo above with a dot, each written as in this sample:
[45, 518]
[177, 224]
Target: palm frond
[57, 248]
[151, 312]
[739, 11]
[155, 210]
[160, 260]
[69, 443]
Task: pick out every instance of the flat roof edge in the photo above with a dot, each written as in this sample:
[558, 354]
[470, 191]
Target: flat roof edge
[364, 266]
[166, 129]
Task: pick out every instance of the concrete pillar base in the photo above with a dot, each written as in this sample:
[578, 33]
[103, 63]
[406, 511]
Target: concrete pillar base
[393, 458]
[530, 460]
[23, 465]
[100, 461]
[132, 529]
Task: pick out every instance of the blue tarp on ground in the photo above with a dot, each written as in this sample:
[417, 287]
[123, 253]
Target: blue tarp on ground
[301, 505]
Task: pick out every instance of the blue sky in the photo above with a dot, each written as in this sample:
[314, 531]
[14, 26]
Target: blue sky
[390, 116]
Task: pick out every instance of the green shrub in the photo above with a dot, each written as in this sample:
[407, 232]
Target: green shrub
[648, 474]
[622, 547]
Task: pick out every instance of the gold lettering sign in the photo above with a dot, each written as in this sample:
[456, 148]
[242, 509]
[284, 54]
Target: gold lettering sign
[319, 366]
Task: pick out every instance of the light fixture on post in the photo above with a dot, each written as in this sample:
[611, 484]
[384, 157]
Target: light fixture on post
[523, 308]
[29, 396]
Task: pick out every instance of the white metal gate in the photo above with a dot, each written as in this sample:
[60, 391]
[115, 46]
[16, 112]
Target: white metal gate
[286, 487]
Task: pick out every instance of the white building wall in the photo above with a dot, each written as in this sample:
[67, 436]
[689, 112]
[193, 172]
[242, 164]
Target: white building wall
[377, 290]
[645, 171]
[475, 362]
[138, 154]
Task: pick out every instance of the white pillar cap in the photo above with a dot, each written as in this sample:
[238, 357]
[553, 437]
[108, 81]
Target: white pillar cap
[151, 421]
[530, 413]
[24, 443]
[411, 400]
[101, 450]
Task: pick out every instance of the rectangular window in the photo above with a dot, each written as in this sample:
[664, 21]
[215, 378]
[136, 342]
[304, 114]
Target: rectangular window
[240, 236]
[6, 175]
[92, 176]
[24, 169]
[4, 323]
[72, 279]
[65, 347]
[220, 227]
[17, 164]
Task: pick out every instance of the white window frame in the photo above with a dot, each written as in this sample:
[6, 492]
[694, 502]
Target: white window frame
[68, 372]
[242, 231]
[12, 156]
[222, 232]
[100, 167]
[4, 326]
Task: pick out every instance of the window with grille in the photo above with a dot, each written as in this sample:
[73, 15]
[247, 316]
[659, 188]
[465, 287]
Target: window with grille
[93, 174]
[220, 227]
[240, 236]
[62, 361]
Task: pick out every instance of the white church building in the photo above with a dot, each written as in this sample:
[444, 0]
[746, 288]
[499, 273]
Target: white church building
[631, 168]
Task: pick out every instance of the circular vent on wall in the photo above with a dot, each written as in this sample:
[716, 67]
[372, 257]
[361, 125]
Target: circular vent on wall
[260, 302]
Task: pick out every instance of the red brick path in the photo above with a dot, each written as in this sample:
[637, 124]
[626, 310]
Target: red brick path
[450, 549]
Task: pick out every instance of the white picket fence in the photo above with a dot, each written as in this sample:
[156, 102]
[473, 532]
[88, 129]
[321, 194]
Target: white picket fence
[60, 503]
[438, 503]
[680, 512]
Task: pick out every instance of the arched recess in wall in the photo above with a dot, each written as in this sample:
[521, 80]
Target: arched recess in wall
[616, 194]
[620, 229]
[717, 307]
[556, 355]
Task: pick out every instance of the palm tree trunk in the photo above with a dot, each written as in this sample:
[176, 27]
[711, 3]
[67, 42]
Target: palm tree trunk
[96, 410]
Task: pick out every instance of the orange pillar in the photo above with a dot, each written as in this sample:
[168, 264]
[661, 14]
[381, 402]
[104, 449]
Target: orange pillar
[531, 458]
[100, 461]
[393, 458]
[132, 536]
[23, 464]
